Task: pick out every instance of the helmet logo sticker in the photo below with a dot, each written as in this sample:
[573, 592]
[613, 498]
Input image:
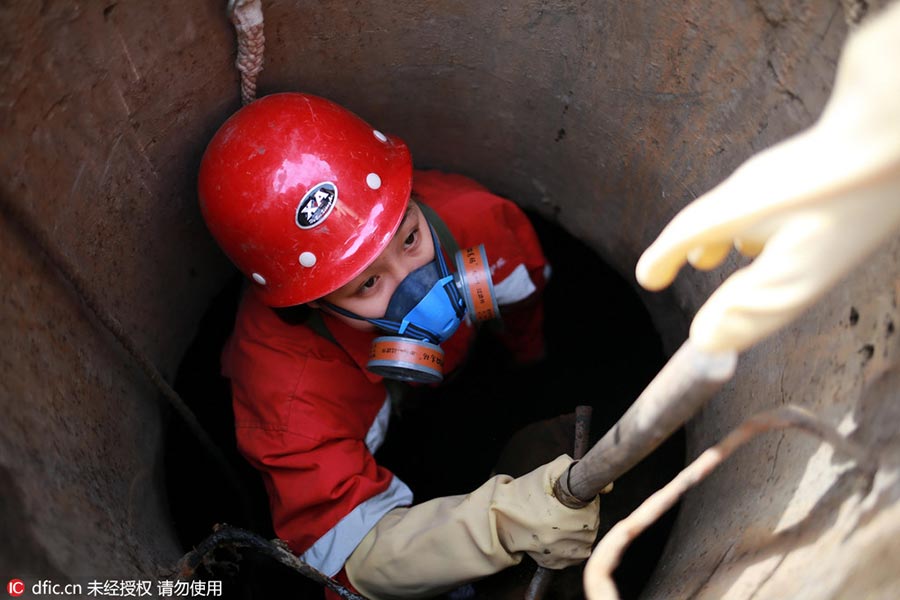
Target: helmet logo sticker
[316, 205]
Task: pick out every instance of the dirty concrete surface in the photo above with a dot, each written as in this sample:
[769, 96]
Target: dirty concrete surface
[604, 117]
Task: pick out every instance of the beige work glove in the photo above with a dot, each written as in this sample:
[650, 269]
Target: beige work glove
[809, 209]
[437, 545]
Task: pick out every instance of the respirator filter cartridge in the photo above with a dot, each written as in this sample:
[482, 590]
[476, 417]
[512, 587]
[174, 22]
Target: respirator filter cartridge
[407, 358]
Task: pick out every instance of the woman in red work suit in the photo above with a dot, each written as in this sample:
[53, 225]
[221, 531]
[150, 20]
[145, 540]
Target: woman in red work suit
[322, 212]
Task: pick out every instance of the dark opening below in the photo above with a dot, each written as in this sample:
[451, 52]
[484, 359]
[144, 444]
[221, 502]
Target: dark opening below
[602, 351]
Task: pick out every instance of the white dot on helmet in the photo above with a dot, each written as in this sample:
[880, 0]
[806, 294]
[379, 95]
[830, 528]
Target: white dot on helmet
[307, 259]
[259, 279]
[373, 181]
[379, 135]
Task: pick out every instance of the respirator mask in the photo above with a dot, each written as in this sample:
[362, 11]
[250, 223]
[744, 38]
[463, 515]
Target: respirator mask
[425, 310]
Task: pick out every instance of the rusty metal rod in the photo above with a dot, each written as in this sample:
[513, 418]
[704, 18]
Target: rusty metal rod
[598, 579]
[543, 577]
[685, 383]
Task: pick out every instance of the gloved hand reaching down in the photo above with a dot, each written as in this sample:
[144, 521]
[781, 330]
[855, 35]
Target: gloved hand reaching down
[437, 545]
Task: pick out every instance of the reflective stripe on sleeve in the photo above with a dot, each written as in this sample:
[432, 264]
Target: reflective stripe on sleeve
[378, 429]
[331, 551]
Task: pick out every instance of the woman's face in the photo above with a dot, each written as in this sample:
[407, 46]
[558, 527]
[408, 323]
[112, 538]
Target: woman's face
[369, 293]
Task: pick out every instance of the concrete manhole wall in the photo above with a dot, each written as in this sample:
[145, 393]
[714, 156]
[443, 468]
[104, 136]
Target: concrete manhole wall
[604, 116]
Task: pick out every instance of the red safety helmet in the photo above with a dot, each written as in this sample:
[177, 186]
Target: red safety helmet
[302, 194]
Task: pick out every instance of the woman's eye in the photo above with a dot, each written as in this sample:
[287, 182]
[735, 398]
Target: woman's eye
[411, 238]
[368, 284]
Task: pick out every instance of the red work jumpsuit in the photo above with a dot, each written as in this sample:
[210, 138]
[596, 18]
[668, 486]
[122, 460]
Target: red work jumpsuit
[308, 414]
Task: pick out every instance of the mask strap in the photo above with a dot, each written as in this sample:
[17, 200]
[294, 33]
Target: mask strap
[408, 329]
[437, 224]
